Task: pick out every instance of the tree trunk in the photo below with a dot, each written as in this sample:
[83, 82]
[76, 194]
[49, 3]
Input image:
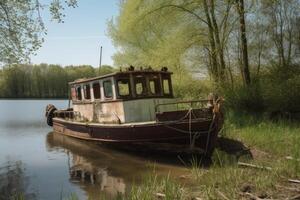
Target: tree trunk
[243, 38]
[212, 43]
[219, 49]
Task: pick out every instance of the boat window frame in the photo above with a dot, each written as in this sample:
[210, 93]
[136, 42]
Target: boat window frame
[78, 87]
[142, 80]
[119, 96]
[87, 92]
[159, 85]
[73, 93]
[99, 83]
[112, 89]
[166, 77]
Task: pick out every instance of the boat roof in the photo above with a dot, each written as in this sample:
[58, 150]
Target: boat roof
[146, 71]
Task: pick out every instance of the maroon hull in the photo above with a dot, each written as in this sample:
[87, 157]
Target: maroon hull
[156, 132]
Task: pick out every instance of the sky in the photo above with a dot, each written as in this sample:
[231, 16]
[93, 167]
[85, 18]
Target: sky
[77, 41]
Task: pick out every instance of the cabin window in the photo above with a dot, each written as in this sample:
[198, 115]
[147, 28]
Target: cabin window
[140, 86]
[107, 85]
[73, 93]
[78, 93]
[166, 87]
[96, 90]
[123, 87]
[154, 85]
[87, 91]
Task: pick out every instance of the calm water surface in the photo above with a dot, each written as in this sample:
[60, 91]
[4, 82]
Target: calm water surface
[45, 165]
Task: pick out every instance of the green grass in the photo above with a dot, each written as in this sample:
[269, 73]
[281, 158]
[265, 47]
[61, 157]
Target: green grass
[18, 197]
[71, 196]
[153, 186]
[269, 142]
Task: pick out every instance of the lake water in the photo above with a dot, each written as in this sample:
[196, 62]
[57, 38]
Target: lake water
[40, 164]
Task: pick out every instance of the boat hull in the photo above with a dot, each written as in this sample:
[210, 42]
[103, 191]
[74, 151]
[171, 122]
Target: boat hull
[182, 133]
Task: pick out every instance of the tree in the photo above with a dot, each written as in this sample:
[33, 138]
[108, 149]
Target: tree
[22, 27]
[283, 16]
[243, 38]
[41, 81]
[105, 69]
[169, 32]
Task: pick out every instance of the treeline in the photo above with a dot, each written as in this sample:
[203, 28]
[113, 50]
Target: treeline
[249, 49]
[43, 81]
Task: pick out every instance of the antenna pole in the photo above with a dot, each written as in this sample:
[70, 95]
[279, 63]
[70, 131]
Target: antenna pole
[100, 57]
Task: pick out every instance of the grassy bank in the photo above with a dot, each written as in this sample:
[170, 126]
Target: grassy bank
[272, 147]
[269, 144]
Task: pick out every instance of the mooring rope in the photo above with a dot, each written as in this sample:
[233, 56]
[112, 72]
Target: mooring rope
[190, 124]
[193, 135]
[209, 132]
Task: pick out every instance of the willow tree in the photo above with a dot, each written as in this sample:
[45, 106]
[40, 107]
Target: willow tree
[171, 32]
[22, 28]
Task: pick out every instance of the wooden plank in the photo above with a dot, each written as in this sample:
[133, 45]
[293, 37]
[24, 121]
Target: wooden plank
[294, 181]
[242, 164]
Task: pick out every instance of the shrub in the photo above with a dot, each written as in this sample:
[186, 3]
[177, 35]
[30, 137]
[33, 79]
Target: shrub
[244, 98]
[185, 87]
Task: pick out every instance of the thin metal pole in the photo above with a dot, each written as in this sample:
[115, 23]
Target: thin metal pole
[69, 96]
[100, 57]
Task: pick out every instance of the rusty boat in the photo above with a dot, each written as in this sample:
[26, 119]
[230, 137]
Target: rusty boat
[137, 107]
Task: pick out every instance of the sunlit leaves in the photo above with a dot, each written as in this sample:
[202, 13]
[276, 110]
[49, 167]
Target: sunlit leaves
[22, 28]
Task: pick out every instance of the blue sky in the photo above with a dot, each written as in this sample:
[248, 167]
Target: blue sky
[78, 40]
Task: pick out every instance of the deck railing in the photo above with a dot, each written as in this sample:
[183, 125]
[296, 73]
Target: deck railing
[182, 105]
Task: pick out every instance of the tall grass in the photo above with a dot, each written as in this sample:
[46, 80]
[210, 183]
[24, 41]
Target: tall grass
[154, 187]
[269, 142]
[280, 138]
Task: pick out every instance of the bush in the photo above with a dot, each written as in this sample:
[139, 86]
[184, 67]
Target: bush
[276, 92]
[282, 90]
[244, 98]
[185, 87]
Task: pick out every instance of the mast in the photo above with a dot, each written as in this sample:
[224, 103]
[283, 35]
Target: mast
[100, 58]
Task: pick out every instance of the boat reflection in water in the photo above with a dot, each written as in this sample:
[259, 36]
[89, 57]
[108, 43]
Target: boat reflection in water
[83, 171]
[101, 171]
[88, 166]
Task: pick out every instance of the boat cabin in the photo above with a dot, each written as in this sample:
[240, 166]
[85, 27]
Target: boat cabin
[121, 97]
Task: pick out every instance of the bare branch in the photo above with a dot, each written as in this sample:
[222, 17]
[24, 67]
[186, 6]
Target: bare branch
[177, 7]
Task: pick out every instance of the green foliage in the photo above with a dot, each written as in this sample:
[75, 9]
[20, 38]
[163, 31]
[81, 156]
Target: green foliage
[19, 35]
[186, 87]
[185, 34]
[276, 92]
[22, 27]
[244, 98]
[105, 69]
[148, 35]
[43, 81]
[282, 89]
